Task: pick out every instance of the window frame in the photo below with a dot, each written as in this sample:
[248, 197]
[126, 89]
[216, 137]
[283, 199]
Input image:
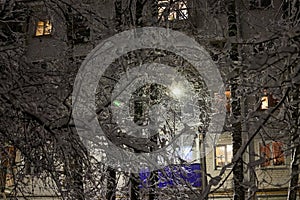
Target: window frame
[267, 100]
[271, 156]
[44, 26]
[80, 30]
[178, 10]
[226, 156]
[257, 4]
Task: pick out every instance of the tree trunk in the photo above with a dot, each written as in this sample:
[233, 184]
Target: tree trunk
[232, 28]
[3, 167]
[75, 178]
[154, 175]
[203, 164]
[111, 184]
[153, 188]
[74, 163]
[139, 13]
[238, 173]
[118, 17]
[134, 187]
[293, 186]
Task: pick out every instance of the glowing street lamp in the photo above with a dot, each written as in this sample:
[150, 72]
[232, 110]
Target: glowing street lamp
[177, 90]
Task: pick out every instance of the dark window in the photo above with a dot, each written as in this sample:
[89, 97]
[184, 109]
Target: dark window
[255, 4]
[216, 7]
[13, 25]
[10, 31]
[291, 10]
[79, 31]
[268, 47]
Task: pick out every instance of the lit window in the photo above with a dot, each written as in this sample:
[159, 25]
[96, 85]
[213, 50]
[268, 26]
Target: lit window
[182, 9]
[177, 10]
[272, 152]
[267, 100]
[223, 155]
[43, 28]
[264, 103]
[228, 96]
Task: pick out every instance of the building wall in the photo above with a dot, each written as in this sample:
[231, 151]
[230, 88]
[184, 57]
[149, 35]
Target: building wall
[45, 47]
[252, 22]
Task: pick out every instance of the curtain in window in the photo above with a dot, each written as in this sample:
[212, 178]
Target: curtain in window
[265, 151]
[278, 157]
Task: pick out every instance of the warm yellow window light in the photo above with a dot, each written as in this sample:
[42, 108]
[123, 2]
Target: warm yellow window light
[228, 96]
[264, 100]
[43, 28]
[39, 28]
[264, 103]
[48, 28]
[220, 156]
[172, 16]
[223, 155]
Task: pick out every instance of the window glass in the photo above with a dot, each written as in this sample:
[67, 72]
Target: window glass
[177, 10]
[264, 103]
[220, 156]
[229, 153]
[48, 28]
[223, 155]
[273, 154]
[39, 28]
[254, 4]
[278, 156]
[43, 28]
[266, 153]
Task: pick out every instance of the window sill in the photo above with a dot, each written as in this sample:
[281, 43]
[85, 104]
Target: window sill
[278, 167]
[220, 168]
[261, 8]
[42, 36]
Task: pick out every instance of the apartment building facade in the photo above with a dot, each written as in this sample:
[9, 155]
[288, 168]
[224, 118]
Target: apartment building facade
[53, 35]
